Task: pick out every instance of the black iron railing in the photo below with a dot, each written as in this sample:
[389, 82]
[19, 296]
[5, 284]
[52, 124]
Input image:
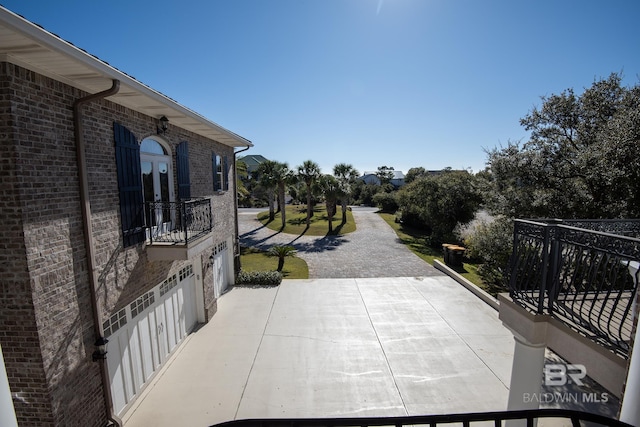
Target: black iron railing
[178, 222]
[579, 272]
[499, 419]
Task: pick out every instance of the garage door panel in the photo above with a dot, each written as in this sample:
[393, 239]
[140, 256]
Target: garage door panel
[135, 354]
[146, 346]
[114, 363]
[127, 371]
[181, 312]
[170, 324]
[161, 333]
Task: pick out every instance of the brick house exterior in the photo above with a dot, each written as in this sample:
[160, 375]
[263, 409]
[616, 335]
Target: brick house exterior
[53, 308]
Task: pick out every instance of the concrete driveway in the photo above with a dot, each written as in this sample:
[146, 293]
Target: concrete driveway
[373, 250]
[335, 347]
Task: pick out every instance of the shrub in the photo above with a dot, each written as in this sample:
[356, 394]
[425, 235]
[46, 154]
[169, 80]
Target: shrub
[281, 252]
[490, 241]
[440, 202]
[386, 202]
[259, 278]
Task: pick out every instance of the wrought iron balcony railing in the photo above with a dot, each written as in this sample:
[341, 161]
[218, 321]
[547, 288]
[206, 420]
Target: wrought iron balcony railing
[178, 222]
[582, 272]
[498, 419]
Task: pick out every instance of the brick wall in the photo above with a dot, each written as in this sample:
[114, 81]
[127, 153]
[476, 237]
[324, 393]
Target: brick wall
[46, 327]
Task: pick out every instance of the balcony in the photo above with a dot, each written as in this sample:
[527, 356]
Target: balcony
[572, 286]
[582, 273]
[178, 230]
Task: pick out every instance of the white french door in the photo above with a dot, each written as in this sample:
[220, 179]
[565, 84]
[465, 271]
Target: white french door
[157, 187]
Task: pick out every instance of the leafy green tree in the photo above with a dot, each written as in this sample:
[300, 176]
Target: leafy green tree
[415, 173]
[266, 172]
[438, 203]
[582, 158]
[309, 173]
[347, 176]
[363, 193]
[385, 175]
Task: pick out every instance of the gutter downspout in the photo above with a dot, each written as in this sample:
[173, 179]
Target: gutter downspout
[236, 249]
[88, 233]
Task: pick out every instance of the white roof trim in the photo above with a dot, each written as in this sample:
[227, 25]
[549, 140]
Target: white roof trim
[30, 46]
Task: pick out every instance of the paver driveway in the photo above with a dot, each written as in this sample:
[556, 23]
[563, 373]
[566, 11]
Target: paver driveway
[373, 250]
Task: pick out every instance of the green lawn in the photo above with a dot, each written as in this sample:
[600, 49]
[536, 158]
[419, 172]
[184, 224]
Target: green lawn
[296, 216]
[415, 240]
[256, 260]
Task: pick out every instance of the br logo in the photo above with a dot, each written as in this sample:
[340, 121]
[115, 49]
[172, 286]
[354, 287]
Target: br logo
[561, 374]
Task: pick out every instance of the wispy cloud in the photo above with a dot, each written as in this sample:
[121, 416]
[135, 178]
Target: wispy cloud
[379, 6]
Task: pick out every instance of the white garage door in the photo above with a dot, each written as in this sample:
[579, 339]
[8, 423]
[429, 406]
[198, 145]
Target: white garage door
[220, 269]
[143, 334]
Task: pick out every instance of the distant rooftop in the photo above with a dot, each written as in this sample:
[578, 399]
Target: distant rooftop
[253, 161]
[396, 174]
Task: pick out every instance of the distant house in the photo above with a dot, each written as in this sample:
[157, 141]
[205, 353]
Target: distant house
[119, 224]
[371, 178]
[253, 161]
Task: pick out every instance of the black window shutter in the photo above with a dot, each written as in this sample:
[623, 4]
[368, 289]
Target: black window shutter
[225, 171]
[182, 166]
[216, 180]
[130, 185]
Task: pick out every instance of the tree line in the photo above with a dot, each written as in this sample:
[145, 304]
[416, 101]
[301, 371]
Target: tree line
[273, 181]
[581, 160]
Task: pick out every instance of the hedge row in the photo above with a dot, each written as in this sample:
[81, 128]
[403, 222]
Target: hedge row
[259, 278]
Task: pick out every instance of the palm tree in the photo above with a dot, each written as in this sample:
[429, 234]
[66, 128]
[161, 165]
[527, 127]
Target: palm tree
[331, 191]
[309, 172]
[282, 175]
[281, 252]
[266, 177]
[242, 172]
[346, 175]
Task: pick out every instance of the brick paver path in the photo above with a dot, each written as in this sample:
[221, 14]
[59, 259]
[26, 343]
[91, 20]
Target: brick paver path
[373, 250]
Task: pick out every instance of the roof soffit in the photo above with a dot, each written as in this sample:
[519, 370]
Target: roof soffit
[27, 45]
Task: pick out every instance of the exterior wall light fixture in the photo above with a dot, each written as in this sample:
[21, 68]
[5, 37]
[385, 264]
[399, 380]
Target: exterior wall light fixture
[101, 349]
[164, 125]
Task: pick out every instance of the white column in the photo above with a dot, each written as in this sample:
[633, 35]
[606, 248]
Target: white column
[526, 375]
[630, 411]
[7, 413]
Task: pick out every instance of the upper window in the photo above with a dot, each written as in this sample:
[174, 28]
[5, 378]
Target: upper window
[151, 146]
[218, 175]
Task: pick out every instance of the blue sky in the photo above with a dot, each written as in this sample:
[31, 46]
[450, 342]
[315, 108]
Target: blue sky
[401, 83]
